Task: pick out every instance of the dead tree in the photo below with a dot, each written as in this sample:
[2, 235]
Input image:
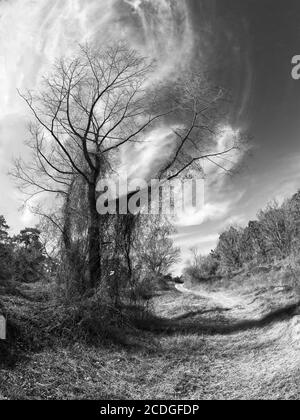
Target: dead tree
[89, 107]
[93, 105]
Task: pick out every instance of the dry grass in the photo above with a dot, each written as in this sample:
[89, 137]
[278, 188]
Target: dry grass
[265, 288]
[261, 364]
[190, 354]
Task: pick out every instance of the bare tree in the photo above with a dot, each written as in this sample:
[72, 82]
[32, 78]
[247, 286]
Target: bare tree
[90, 107]
[155, 246]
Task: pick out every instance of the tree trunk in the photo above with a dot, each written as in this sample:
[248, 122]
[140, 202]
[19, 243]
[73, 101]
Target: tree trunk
[68, 241]
[67, 222]
[129, 225]
[94, 261]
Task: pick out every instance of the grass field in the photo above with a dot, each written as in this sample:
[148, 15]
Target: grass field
[207, 343]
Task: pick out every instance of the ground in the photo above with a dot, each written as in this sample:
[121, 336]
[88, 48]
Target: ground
[209, 343]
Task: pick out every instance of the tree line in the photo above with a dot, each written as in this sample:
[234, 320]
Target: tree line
[275, 235]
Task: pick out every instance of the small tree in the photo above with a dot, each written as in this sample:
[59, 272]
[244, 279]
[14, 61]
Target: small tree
[155, 248]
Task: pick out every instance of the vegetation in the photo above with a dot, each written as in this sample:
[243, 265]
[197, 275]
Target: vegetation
[195, 348]
[23, 257]
[274, 236]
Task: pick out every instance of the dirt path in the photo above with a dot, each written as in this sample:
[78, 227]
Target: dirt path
[255, 362]
[220, 299]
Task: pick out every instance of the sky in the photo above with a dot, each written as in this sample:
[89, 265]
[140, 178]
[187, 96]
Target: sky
[247, 45]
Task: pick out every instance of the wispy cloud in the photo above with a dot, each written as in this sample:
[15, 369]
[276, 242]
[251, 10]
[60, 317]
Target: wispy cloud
[33, 33]
[188, 240]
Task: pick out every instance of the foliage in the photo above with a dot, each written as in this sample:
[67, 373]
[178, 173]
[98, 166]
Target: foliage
[22, 257]
[29, 257]
[275, 235]
[5, 252]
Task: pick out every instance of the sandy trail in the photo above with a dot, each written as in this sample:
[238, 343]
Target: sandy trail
[220, 299]
[260, 362]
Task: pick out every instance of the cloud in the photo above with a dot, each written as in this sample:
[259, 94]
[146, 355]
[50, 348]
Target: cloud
[134, 3]
[226, 138]
[189, 240]
[168, 32]
[33, 33]
[209, 212]
[203, 242]
[142, 160]
[27, 217]
[219, 200]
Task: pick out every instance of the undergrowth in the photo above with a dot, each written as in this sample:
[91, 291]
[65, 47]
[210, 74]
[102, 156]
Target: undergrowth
[36, 322]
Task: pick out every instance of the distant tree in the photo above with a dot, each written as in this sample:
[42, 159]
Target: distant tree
[276, 234]
[3, 230]
[5, 252]
[274, 226]
[256, 241]
[292, 212]
[29, 257]
[229, 248]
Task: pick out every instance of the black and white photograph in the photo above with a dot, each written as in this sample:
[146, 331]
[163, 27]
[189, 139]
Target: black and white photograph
[150, 203]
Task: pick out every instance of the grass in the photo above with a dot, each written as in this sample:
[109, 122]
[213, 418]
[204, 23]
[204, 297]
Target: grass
[192, 348]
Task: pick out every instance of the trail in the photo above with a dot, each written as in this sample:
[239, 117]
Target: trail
[221, 299]
[259, 361]
[218, 345]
